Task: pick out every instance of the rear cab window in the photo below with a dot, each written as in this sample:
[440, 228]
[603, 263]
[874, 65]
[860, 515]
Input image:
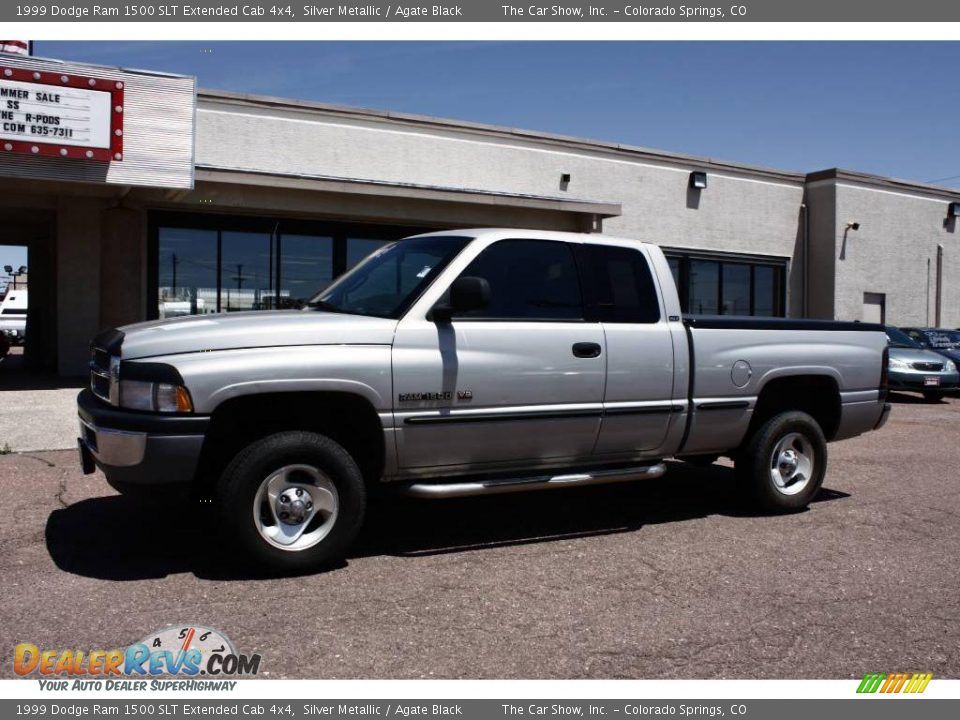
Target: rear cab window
[618, 284]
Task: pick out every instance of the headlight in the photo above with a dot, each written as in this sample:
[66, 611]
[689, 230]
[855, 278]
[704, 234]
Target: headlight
[950, 366]
[154, 397]
[897, 363]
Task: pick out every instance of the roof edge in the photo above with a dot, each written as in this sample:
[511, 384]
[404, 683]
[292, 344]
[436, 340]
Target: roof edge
[661, 156]
[881, 182]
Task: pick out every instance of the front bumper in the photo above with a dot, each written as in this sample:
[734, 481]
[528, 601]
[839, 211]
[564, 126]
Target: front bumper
[138, 448]
[918, 380]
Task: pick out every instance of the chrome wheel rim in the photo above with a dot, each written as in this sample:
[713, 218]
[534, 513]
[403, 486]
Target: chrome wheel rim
[792, 464]
[295, 507]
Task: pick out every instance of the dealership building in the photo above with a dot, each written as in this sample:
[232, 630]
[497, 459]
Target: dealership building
[139, 196]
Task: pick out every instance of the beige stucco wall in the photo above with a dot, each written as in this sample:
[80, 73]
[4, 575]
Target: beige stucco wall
[892, 252]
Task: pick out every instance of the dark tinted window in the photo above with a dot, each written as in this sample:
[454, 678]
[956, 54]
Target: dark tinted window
[529, 280]
[736, 289]
[704, 287]
[620, 286]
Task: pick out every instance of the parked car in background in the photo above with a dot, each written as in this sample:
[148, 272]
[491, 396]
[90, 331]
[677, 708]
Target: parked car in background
[13, 316]
[911, 367]
[939, 340]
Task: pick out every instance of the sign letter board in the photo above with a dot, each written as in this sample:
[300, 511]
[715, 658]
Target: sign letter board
[60, 115]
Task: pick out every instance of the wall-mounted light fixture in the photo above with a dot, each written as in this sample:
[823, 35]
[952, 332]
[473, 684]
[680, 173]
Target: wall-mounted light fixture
[698, 180]
[852, 226]
[564, 181]
[953, 210]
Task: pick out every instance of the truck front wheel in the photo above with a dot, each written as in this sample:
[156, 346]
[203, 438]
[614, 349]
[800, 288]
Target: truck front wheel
[293, 501]
[783, 462]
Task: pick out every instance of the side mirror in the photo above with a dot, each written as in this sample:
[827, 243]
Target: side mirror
[466, 294]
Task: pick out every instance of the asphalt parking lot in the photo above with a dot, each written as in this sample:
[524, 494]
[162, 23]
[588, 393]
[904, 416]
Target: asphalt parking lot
[667, 579]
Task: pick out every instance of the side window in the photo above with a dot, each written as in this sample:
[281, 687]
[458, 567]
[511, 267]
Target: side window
[620, 285]
[529, 280]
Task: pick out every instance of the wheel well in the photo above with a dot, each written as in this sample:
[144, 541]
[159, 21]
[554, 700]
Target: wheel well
[816, 395]
[348, 419]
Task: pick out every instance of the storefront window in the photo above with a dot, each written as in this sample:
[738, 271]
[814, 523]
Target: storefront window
[306, 266]
[736, 290]
[246, 280]
[210, 263]
[704, 286]
[187, 272]
[765, 291]
[718, 286]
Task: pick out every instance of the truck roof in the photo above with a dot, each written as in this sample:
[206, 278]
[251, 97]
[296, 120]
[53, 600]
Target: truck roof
[527, 233]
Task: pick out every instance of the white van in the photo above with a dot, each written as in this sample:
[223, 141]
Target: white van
[13, 315]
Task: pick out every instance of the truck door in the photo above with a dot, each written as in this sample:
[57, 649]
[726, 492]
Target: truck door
[519, 382]
[621, 294]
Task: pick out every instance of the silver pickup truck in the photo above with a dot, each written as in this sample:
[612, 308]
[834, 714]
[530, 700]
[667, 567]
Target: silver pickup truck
[466, 363]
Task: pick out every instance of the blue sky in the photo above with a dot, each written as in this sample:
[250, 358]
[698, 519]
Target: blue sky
[886, 108]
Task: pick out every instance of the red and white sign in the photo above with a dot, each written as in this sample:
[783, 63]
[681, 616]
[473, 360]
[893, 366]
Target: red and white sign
[15, 47]
[66, 116]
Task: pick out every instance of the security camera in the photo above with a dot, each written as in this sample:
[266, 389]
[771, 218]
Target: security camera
[853, 226]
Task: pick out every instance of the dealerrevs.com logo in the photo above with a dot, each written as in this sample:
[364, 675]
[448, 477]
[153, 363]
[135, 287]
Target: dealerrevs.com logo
[910, 683]
[185, 651]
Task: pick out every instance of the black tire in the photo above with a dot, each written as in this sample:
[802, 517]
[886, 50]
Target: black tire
[241, 482]
[755, 464]
[933, 395]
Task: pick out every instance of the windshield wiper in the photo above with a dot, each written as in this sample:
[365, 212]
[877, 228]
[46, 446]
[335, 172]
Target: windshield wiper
[323, 305]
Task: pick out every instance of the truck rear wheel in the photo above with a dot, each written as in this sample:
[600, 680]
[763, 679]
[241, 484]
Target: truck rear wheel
[783, 463]
[293, 501]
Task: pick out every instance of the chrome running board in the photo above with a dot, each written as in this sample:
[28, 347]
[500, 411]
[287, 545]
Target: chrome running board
[524, 484]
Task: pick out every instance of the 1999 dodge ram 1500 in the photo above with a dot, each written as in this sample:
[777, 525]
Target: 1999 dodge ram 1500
[465, 363]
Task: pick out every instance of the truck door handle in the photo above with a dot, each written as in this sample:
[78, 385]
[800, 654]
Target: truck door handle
[586, 349]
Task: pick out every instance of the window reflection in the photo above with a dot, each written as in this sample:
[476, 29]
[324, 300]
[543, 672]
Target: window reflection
[187, 272]
[246, 280]
[736, 290]
[709, 286]
[231, 264]
[359, 248]
[306, 266]
[765, 292]
[704, 285]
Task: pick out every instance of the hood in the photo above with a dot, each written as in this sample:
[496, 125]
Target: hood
[912, 355]
[232, 331]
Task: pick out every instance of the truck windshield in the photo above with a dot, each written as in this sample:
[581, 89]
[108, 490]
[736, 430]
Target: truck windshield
[388, 282]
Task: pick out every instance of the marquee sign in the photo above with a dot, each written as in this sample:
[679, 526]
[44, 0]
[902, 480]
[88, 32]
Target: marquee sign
[60, 115]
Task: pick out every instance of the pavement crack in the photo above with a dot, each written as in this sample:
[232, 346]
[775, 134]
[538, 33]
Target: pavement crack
[39, 459]
[61, 492]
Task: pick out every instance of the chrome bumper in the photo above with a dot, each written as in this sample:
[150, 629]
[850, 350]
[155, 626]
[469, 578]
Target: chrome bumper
[117, 448]
[136, 448]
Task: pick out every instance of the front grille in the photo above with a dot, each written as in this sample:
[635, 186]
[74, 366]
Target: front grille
[928, 366]
[100, 373]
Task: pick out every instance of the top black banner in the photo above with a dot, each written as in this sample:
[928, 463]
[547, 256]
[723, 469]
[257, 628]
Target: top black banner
[487, 11]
